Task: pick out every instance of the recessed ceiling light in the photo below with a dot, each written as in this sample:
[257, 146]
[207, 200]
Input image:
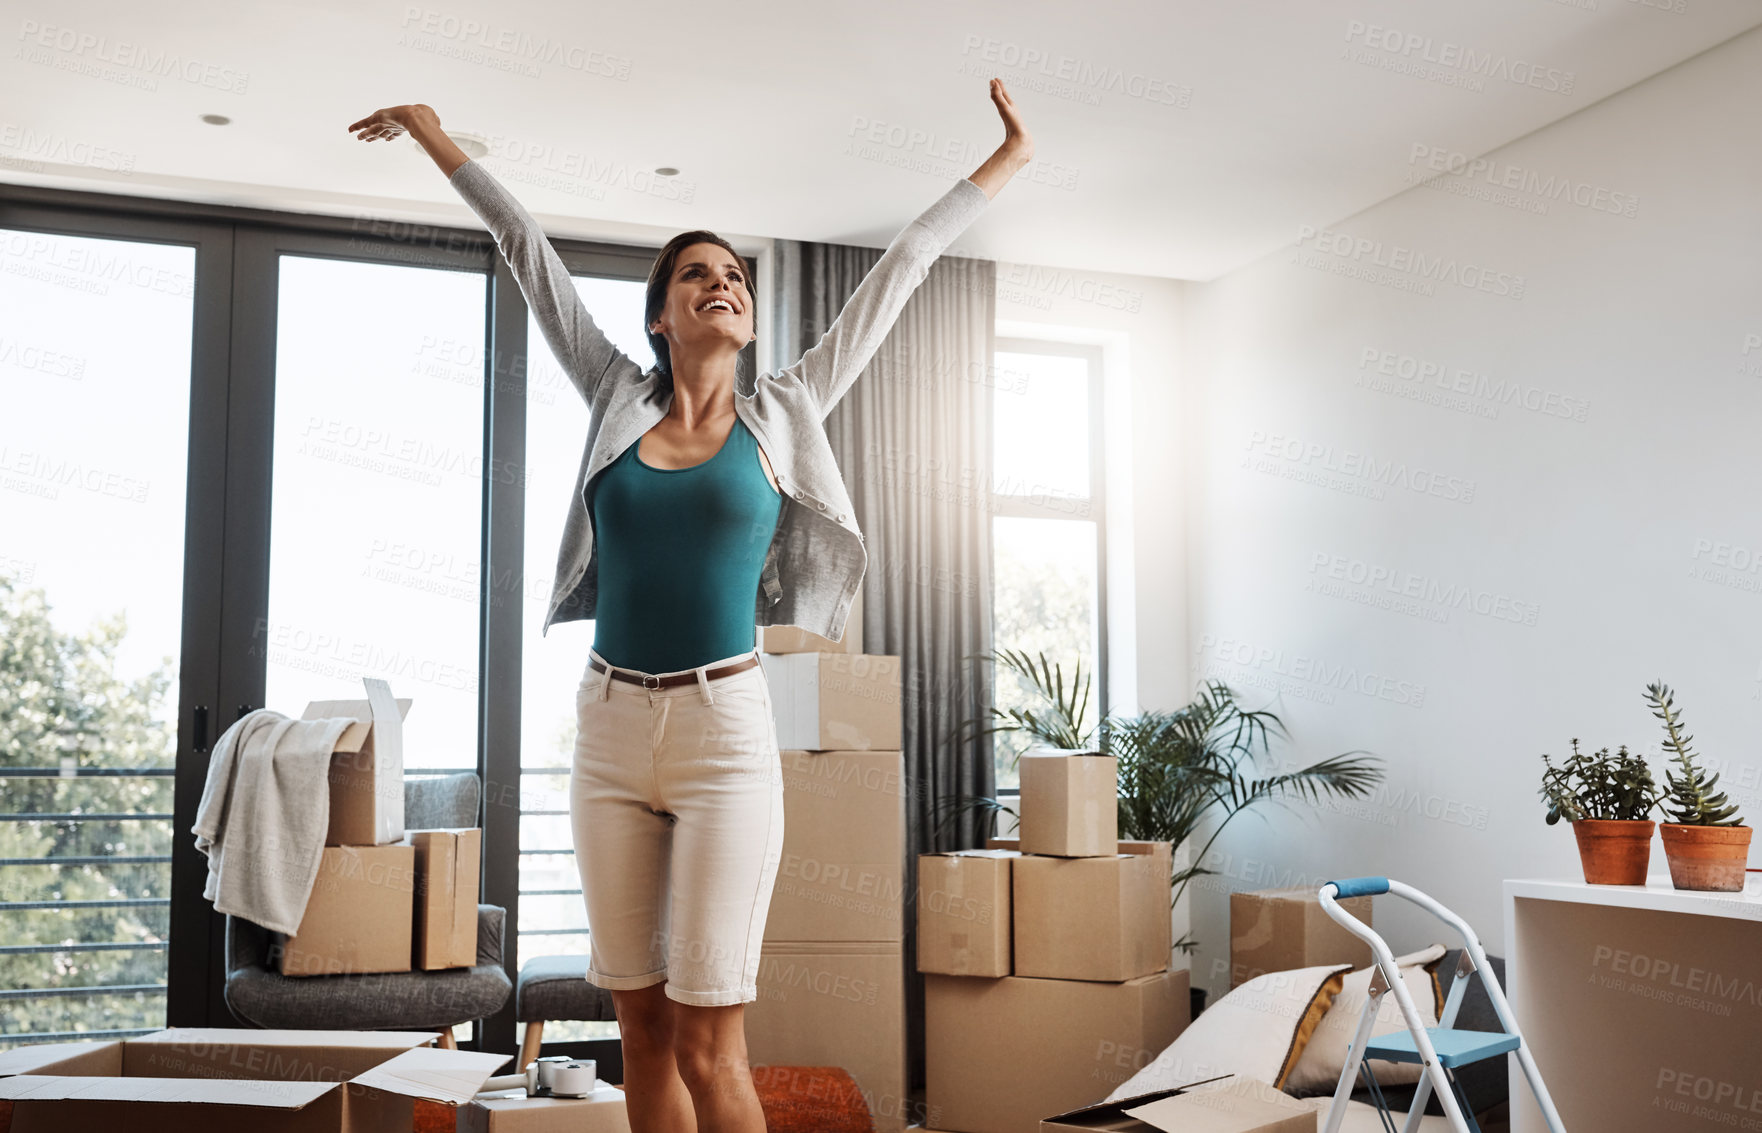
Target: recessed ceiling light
[474, 146]
[666, 171]
[216, 119]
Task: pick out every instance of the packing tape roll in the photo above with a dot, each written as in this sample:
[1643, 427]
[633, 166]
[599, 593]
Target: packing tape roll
[573, 1079]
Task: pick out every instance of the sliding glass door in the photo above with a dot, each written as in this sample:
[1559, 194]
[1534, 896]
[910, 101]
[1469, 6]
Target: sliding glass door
[108, 456]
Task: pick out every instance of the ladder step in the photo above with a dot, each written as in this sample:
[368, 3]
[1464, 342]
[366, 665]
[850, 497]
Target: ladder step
[1454, 1047]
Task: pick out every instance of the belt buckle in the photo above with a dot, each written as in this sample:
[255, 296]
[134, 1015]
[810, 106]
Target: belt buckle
[647, 677]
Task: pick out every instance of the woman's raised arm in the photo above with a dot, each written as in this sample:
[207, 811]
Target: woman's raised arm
[829, 367]
[584, 352]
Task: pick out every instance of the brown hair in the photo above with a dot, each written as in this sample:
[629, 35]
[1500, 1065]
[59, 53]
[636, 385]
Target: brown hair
[662, 273]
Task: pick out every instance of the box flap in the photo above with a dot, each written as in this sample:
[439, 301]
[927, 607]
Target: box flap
[360, 711]
[1235, 1103]
[25, 1059]
[207, 1091]
[235, 1036]
[451, 1077]
[1118, 1104]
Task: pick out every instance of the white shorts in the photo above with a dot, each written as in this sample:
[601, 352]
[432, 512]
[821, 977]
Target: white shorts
[676, 800]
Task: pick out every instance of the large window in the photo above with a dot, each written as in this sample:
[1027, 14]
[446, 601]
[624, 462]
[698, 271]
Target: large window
[376, 511]
[95, 341]
[1048, 524]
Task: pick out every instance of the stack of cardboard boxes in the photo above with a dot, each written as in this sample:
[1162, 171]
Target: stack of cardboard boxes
[1047, 961]
[832, 978]
[386, 899]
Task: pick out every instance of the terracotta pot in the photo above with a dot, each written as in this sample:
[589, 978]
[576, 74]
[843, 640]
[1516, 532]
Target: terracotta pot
[1614, 851]
[1706, 857]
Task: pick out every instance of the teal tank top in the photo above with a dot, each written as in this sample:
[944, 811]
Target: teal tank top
[680, 553]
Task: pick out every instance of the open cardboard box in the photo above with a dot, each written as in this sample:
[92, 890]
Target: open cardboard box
[366, 767]
[202, 1079]
[1230, 1104]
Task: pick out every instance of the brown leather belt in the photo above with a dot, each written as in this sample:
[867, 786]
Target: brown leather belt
[650, 680]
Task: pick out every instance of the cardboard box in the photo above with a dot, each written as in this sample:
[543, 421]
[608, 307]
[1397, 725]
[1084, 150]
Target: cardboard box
[835, 701]
[1070, 803]
[360, 915]
[1229, 1105]
[366, 767]
[1094, 918]
[1000, 1054]
[448, 867]
[513, 1112]
[836, 1003]
[794, 639]
[964, 919]
[219, 1080]
[1275, 930]
[842, 876]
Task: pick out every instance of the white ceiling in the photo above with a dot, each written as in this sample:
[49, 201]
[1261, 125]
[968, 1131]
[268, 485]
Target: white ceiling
[756, 104]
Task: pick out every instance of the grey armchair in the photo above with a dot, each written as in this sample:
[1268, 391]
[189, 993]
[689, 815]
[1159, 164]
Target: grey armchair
[259, 996]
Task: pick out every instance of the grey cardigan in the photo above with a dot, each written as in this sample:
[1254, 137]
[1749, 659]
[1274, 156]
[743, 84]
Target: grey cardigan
[816, 559]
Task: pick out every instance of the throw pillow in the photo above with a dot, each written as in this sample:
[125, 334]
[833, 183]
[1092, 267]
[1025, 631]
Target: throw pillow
[1258, 1031]
[1324, 1057]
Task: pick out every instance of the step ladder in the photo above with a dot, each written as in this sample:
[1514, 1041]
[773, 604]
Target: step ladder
[1439, 1049]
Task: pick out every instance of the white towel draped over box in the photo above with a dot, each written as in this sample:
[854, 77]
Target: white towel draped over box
[264, 813]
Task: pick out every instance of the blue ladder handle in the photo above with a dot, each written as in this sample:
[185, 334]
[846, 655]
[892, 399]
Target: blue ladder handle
[1360, 886]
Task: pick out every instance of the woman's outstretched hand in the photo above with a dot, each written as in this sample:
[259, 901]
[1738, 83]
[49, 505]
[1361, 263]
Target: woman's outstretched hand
[393, 121]
[1017, 148]
[422, 124]
[1015, 134]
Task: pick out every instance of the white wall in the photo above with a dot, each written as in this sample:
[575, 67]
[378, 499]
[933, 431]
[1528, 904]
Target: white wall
[1565, 460]
[1604, 522]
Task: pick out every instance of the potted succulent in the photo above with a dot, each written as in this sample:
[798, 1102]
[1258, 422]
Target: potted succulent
[1606, 798]
[1705, 840]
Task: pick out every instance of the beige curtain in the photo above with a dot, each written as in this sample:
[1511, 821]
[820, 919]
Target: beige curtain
[913, 439]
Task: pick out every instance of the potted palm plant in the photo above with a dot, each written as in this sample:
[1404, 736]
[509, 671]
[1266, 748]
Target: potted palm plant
[1705, 841]
[1606, 798]
[1176, 769]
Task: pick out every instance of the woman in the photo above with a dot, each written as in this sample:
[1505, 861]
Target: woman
[703, 507]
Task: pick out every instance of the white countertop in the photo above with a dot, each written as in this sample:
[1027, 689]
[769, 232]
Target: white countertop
[1657, 894]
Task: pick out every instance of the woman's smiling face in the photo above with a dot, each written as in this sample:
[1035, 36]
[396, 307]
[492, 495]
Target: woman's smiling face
[708, 300]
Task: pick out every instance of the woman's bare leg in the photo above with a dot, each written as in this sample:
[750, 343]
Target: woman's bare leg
[654, 1093]
[709, 1046]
